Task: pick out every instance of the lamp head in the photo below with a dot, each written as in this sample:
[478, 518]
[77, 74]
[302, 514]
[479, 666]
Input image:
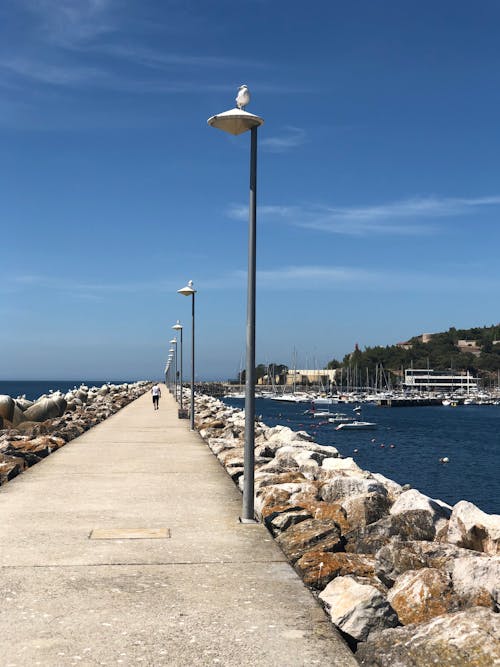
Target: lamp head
[177, 326]
[188, 290]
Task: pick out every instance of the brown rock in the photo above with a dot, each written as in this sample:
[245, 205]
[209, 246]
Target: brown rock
[419, 595]
[311, 533]
[330, 511]
[317, 568]
[464, 639]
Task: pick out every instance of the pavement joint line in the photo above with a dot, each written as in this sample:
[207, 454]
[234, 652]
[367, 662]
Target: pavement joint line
[61, 566]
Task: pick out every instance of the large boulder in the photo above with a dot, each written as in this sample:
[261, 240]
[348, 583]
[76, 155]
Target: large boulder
[358, 610]
[46, 408]
[307, 534]
[464, 639]
[477, 578]
[472, 528]
[7, 405]
[414, 500]
[405, 526]
[341, 486]
[419, 595]
[397, 557]
[318, 568]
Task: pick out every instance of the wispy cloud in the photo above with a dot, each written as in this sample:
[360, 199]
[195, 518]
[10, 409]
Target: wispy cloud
[292, 137]
[405, 217]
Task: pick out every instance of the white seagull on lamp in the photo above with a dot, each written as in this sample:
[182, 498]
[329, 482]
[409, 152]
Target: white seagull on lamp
[243, 97]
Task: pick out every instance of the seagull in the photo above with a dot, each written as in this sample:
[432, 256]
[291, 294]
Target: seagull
[243, 97]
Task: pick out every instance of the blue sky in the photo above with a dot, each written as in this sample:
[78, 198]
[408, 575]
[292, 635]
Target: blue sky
[378, 183]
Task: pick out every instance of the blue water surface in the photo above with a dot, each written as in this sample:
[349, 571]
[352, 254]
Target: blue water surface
[469, 435]
[35, 388]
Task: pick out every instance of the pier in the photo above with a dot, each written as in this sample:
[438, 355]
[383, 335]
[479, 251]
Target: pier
[124, 547]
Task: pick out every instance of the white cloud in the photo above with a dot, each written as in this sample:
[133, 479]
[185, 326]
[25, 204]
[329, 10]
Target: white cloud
[402, 217]
[292, 137]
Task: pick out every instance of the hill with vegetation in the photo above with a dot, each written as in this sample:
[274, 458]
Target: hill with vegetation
[476, 349]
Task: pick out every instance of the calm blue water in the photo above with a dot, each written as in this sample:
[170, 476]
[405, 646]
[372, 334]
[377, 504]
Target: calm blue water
[468, 435]
[35, 388]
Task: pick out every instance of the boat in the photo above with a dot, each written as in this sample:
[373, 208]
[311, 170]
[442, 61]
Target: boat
[356, 425]
[339, 417]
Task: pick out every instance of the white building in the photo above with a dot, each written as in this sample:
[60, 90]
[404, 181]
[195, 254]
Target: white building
[439, 381]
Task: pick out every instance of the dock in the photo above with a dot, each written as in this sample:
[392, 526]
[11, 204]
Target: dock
[124, 548]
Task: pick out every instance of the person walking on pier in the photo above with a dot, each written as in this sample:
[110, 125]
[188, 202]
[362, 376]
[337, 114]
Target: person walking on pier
[156, 393]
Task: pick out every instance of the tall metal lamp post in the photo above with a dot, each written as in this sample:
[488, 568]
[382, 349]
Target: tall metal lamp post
[236, 121]
[178, 327]
[189, 290]
[174, 343]
[171, 357]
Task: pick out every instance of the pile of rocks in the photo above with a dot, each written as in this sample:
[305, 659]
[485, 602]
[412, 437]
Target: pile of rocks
[407, 579]
[31, 430]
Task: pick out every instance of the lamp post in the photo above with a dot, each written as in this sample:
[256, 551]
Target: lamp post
[171, 357]
[236, 121]
[174, 343]
[178, 327]
[189, 290]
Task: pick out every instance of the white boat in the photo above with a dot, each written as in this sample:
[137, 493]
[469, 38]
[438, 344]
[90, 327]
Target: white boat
[320, 413]
[357, 425]
[339, 417]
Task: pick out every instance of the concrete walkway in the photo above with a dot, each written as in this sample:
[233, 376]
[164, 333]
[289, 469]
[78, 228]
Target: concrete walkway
[199, 589]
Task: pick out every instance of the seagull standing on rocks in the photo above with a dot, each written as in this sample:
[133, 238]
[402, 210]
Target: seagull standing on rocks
[243, 97]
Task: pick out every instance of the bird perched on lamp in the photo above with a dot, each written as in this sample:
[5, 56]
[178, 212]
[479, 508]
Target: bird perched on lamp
[243, 97]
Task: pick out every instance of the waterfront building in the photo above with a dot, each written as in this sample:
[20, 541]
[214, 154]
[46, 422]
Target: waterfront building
[426, 379]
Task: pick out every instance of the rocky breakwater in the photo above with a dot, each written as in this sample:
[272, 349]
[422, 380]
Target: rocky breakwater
[407, 579]
[31, 430]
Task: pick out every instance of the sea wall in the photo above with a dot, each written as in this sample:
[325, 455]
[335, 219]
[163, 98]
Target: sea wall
[31, 430]
[407, 579]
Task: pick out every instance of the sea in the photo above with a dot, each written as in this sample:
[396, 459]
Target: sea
[33, 389]
[409, 442]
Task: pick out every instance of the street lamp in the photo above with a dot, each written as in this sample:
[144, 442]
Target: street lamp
[171, 357]
[174, 343]
[189, 290]
[236, 121]
[178, 327]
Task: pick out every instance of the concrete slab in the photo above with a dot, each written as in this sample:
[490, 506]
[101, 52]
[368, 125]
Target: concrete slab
[213, 592]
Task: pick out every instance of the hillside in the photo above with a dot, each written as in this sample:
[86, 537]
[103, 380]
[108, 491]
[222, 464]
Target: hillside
[476, 349]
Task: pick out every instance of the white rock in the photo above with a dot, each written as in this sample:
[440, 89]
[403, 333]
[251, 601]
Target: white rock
[471, 574]
[472, 528]
[339, 464]
[414, 500]
[357, 609]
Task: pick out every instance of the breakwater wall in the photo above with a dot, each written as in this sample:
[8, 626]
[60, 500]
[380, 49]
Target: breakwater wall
[31, 430]
[407, 579]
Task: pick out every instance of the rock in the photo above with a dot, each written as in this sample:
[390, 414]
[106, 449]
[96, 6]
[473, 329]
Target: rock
[366, 508]
[7, 406]
[46, 408]
[397, 557]
[279, 520]
[414, 500]
[419, 595]
[472, 528]
[23, 403]
[473, 576]
[405, 526]
[317, 568]
[310, 533]
[464, 639]
[394, 489]
[10, 467]
[336, 463]
[329, 511]
[358, 610]
[341, 486]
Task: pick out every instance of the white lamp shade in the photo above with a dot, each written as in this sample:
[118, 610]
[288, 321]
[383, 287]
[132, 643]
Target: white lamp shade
[235, 121]
[188, 290]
